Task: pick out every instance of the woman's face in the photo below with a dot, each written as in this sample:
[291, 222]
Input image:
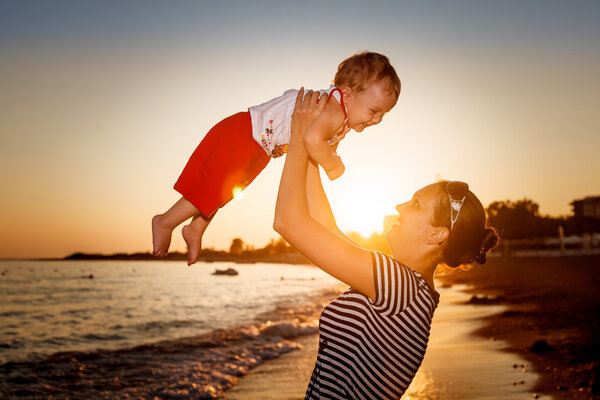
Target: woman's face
[413, 227]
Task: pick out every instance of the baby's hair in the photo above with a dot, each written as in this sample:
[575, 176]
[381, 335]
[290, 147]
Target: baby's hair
[361, 69]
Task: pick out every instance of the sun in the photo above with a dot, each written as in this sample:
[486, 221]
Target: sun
[362, 207]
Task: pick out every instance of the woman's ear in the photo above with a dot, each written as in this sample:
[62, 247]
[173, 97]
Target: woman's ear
[438, 235]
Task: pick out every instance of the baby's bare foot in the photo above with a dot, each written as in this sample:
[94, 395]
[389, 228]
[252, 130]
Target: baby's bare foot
[193, 239]
[161, 237]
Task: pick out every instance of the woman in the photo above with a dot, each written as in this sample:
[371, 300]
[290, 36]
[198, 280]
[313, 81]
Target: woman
[373, 337]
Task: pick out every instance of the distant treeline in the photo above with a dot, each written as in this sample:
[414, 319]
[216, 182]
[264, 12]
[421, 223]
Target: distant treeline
[277, 251]
[521, 220]
[515, 220]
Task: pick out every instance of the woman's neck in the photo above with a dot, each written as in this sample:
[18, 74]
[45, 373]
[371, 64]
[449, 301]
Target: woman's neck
[422, 264]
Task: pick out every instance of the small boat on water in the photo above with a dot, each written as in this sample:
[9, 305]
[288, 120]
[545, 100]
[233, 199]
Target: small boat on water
[228, 271]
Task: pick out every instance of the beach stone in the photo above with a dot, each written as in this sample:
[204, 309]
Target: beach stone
[540, 346]
[269, 354]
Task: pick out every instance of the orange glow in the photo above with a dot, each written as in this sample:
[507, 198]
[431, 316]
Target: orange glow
[361, 204]
[237, 193]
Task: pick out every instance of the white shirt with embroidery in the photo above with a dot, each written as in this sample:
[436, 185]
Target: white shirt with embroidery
[272, 121]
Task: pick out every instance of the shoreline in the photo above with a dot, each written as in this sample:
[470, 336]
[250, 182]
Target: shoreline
[552, 321]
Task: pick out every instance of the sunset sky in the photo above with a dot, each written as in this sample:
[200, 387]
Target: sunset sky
[103, 102]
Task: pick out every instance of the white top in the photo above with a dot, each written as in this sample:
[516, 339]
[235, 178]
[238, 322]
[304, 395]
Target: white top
[272, 121]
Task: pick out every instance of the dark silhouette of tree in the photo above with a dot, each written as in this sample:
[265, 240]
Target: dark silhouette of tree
[514, 219]
[521, 219]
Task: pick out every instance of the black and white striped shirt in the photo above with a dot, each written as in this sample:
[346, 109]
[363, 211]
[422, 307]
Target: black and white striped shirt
[372, 349]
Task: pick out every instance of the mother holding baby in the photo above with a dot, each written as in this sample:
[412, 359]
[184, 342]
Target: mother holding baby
[373, 337]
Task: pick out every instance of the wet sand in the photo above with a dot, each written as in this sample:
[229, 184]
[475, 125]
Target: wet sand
[285, 378]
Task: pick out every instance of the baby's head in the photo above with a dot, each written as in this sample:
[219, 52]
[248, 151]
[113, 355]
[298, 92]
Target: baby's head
[370, 87]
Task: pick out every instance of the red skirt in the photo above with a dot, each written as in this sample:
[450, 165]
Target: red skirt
[228, 157]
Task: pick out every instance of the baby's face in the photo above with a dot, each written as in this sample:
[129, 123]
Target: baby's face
[367, 107]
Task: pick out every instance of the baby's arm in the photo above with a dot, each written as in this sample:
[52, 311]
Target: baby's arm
[316, 139]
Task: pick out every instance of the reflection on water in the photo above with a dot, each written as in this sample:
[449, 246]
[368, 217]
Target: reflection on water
[459, 365]
[50, 306]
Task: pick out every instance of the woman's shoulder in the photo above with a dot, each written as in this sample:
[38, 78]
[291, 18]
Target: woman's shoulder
[385, 260]
[392, 273]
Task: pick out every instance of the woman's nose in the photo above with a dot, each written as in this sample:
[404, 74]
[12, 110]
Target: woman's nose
[400, 207]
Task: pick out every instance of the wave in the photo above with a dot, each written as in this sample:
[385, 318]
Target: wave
[197, 367]
[201, 366]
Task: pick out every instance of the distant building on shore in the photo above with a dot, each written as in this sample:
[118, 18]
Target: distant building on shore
[588, 207]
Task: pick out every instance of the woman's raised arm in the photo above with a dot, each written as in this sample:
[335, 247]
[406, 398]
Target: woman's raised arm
[330, 252]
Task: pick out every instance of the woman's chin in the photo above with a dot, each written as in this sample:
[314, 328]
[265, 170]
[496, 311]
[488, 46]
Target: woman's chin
[389, 235]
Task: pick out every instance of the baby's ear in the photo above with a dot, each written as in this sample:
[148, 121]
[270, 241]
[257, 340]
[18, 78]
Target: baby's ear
[347, 93]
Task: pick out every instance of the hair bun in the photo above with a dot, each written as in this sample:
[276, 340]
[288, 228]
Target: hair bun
[490, 240]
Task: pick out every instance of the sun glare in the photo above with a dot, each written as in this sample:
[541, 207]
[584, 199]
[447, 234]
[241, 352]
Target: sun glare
[361, 208]
[237, 193]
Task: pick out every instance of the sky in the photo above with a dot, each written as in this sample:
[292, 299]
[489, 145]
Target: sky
[102, 103]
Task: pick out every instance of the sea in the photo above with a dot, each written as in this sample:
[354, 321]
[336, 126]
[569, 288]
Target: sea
[56, 306]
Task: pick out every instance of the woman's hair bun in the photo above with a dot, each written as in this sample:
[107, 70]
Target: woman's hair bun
[490, 240]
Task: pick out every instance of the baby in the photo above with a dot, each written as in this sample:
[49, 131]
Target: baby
[237, 149]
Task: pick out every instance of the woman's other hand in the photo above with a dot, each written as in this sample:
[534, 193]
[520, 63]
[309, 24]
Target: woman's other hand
[338, 136]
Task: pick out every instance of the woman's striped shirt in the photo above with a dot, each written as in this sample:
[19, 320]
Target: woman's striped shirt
[372, 349]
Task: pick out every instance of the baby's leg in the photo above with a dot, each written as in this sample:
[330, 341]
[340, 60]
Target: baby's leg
[163, 225]
[192, 234]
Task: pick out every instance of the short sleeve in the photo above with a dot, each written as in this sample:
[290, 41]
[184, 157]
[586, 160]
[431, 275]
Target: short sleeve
[396, 286]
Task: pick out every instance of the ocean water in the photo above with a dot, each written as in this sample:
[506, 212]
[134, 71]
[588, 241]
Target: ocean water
[54, 306]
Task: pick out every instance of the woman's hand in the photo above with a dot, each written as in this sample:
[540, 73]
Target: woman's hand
[307, 108]
[338, 136]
